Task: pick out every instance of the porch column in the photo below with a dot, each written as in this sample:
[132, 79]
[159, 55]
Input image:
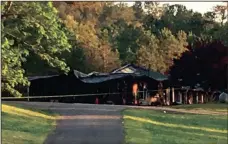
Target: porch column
[168, 96]
[197, 98]
[173, 95]
[180, 96]
[202, 100]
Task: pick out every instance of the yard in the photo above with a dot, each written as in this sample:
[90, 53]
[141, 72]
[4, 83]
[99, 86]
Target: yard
[158, 127]
[24, 126]
[216, 107]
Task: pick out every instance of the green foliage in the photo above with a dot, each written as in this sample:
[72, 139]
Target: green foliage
[158, 53]
[93, 41]
[126, 36]
[30, 28]
[129, 29]
[37, 36]
[12, 73]
[222, 34]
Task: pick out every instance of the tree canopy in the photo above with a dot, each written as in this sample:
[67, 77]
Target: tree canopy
[41, 38]
[30, 28]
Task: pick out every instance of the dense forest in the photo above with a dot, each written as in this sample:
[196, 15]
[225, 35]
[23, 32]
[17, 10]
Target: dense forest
[42, 38]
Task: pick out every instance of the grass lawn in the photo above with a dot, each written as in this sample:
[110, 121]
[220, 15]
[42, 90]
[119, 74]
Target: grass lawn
[25, 126]
[157, 127]
[217, 107]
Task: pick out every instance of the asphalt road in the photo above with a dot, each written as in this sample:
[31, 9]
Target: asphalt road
[84, 123]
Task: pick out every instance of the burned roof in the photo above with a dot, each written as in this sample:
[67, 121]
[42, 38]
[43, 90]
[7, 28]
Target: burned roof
[97, 74]
[79, 74]
[125, 71]
[105, 77]
[40, 77]
[131, 68]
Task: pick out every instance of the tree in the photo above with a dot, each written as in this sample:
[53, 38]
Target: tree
[89, 32]
[127, 43]
[205, 65]
[123, 29]
[158, 53]
[30, 28]
[222, 34]
[138, 10]
[154, 9]
[221, 13]
[110, 56]
[172, 47]
[148, 54]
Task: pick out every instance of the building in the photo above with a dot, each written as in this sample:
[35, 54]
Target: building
[114, 86]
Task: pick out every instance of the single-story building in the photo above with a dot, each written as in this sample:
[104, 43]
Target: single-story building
[113, 86]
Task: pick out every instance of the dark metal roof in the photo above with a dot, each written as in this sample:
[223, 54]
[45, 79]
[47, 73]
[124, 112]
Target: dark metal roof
[130, 68]
[40, 77]
[127, 70]
[103, 78]
[97, 74]
[118, 69]
[79, 74]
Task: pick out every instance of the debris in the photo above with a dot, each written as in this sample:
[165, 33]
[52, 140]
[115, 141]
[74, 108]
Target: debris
[223, 97]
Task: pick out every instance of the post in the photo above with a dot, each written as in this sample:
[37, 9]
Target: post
[168, 96]
[96, 100]
[164, 97]
[190, 100]
[143, 92]
[197, 98]
[186, 97]
[28, 92]
[202, 100]
[180, 96]
[173, 95]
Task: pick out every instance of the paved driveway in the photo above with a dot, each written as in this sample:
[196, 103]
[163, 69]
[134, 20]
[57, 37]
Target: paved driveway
[84, 123]
[91, 124]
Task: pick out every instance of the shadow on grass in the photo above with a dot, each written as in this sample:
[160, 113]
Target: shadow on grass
[24, 112]
[211, 121]
[174, 125]
[23, 126]
[146, 127]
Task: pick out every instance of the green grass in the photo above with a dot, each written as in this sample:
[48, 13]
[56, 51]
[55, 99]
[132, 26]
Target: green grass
[217, 107]
[157, 127]
[25, 126]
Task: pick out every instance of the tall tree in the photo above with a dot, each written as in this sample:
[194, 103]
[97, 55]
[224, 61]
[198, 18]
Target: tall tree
[110, 56]
[221, 13]
[154, 9]
[88, 31]
[159, 53]
[30, 28]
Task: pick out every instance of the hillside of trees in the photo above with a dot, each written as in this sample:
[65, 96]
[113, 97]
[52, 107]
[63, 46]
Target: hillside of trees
[42, 38]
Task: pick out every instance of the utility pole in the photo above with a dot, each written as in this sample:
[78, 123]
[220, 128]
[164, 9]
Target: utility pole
[227, 49]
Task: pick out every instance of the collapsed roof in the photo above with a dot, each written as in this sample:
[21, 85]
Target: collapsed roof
[128, 70]
[125, 71]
